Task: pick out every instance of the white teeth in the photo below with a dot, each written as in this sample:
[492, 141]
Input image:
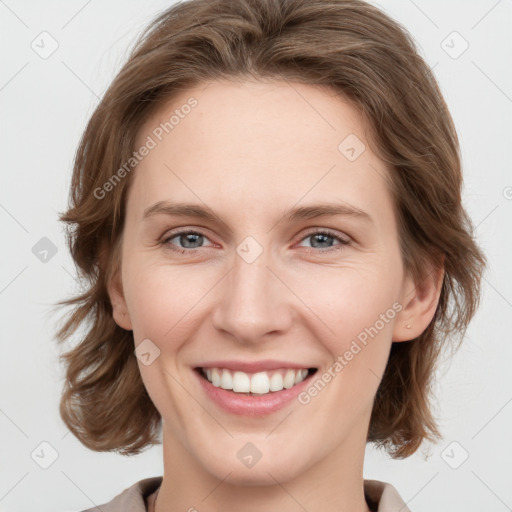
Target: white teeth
[226, 381]
[259, 383]
[276, 382]
[241, 382]
[216, 377]
[289, 379]
[300, 376]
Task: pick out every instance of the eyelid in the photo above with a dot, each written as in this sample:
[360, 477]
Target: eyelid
[327, 231]
[168, 235]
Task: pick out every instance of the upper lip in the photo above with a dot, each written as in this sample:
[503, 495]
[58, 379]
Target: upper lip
[253, 366]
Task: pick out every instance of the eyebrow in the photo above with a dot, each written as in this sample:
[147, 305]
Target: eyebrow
[295, 213]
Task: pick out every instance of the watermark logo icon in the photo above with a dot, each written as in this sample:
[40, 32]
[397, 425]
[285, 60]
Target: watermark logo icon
[249, 249]
[249, 455]
[147, 352]
[44, 455]
[44, 250]
[454, 45]
[455, 455]
[351, 147]
[45, 45]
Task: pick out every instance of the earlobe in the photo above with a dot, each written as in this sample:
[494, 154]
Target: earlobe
[419, 305]
[119, 309]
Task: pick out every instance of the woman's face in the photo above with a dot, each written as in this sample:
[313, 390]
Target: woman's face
[253, 289]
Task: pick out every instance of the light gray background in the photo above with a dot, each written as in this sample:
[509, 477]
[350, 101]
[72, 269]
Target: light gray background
[45, 104]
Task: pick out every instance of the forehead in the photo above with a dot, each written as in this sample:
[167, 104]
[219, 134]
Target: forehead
[279, 115]
[252, 144]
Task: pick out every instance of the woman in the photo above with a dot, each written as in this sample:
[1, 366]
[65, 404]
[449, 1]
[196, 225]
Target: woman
[267, 207]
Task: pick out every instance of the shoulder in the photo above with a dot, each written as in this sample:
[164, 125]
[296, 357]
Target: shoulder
[383, 497]
[131, 499]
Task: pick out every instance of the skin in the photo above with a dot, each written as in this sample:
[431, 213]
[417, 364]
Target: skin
[249, 151]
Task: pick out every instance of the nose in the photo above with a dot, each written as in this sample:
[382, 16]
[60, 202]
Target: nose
[254, 302]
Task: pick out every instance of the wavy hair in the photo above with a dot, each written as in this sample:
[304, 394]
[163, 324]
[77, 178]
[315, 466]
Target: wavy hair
[370, 60]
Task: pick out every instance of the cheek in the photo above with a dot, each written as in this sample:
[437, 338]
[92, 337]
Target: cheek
[161, 298]
[359, 308]
[351, 300]
[358, 305]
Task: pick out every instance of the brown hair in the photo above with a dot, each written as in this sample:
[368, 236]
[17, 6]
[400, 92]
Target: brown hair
[348, 46]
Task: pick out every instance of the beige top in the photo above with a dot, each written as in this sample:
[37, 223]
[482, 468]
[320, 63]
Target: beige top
[380, 496]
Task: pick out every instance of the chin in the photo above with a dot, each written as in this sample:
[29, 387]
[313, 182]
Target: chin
[260, 475]
[268, 470]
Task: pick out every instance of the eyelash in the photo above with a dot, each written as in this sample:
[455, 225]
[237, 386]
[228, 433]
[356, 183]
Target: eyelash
[318, 231]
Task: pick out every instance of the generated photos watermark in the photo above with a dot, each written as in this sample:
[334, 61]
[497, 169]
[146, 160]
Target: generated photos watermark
[151, 142]
[344, 359]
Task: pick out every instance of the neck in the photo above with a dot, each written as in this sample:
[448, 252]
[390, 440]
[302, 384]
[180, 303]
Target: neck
[334, 484]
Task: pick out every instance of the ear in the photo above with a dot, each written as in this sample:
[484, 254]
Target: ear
[419, 301]
[119, 308]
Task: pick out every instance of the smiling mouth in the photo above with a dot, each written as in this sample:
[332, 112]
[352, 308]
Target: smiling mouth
[259, 383]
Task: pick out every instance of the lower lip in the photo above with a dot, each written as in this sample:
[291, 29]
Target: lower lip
[251, 405]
